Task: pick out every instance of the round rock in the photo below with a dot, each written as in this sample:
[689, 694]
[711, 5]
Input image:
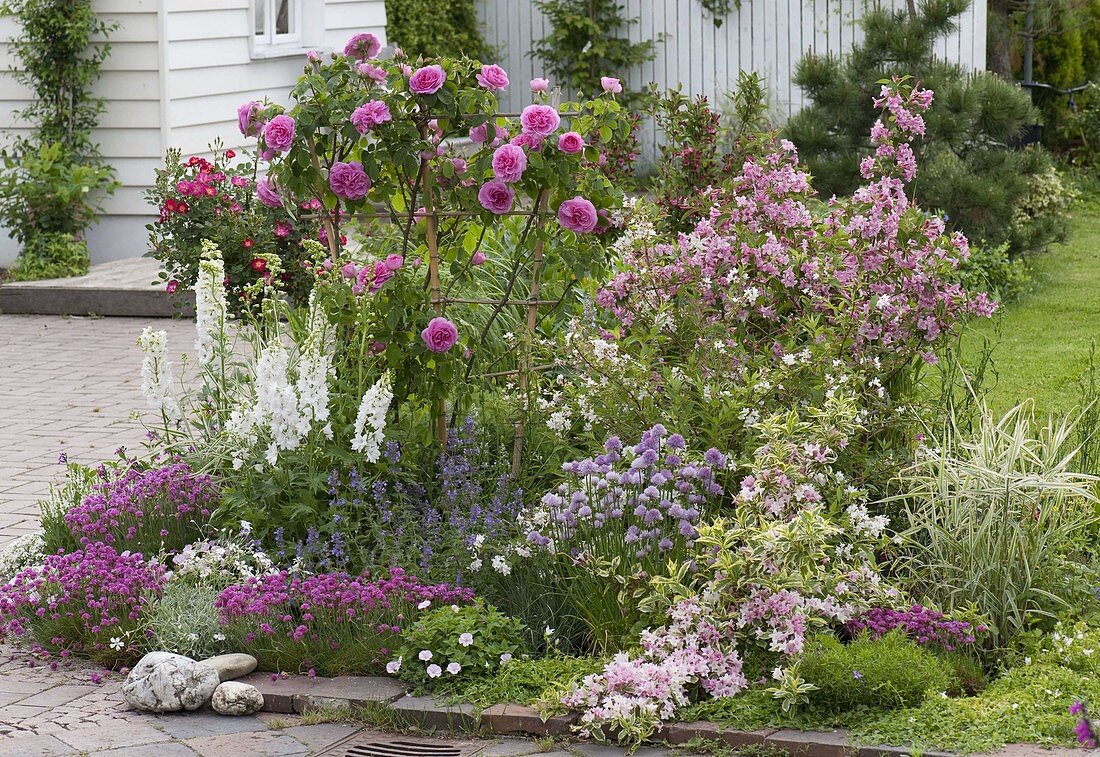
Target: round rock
[230, 666]
[233, 698]
[166, 682]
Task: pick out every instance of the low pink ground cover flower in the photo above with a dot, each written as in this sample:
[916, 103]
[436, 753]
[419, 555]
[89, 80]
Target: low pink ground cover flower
[145, 511]
[89, 601]
[339, 622]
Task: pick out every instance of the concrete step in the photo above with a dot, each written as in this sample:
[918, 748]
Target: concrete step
[127, 287]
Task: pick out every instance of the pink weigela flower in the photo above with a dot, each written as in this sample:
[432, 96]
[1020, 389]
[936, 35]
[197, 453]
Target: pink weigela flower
[427, 80]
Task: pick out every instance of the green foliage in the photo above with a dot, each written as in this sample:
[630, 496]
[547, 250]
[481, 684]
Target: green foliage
[889, 672]
[527, 681]
[997, 520]
[184, 621]
[991, 269]
[51, 256]
[433, 29]
[56, 534]
[587, 40]
[460, 643]
[53, 180]
[967, 173]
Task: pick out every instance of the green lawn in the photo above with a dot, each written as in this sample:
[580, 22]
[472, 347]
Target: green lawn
[1041, 342]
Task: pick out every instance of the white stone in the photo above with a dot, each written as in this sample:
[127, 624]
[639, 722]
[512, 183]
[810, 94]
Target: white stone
[234, 698]
[166, 682]
[230, 666]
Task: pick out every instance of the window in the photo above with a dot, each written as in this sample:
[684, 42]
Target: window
[277, 22]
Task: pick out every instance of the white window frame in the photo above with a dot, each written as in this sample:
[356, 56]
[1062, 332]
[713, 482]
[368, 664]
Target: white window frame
[268, 41]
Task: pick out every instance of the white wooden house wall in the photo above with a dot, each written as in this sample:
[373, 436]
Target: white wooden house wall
[767, 36]
[178, 69]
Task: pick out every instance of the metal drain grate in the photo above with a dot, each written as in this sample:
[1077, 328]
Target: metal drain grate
[397, 748]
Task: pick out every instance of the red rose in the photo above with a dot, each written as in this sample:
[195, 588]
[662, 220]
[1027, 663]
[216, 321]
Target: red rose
[182, 207]
[247, 243]
[259, 265]
[229, 154]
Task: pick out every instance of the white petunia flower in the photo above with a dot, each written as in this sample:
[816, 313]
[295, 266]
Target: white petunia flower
[425, 655]
[454, 668]
[434, 671]
[466, 639]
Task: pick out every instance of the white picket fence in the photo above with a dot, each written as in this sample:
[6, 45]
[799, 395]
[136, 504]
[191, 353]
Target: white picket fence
[766, 36]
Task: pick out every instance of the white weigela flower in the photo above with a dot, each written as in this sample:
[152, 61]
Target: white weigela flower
[370, 422]
[156, 374]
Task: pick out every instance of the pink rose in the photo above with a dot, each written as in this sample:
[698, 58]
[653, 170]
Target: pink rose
[265, 190]
[611, 85]
[248, 118]
[578, 215]
[478, 258]
[382, 274]
[362, 46]
[493, 77]
[393, 262]
[349, 270]
[571, 142]
[529, 140]
[440, 335]
[372, 72]
[279, 133]
[480, 134]
[313, 56]
[172, 286]
[509, 163]
[496, 196]
[348, 180]
[459, 165]
[371, 114]
[540, 85]
[540, 119]
[283, 229]
[427, 80]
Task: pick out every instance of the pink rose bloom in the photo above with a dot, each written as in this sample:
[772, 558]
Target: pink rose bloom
[540, 119]
[610, 84]
[372, 72]
[313, 56]
[440, 335]
[540, 85]
[393, 262]
[371, 114]
[509, 163]
[349, 270]
[348, 180]
[478, 258]
[248, 118]
[529, 140]
[265, 190]
[496, 196]
[279, 133]
[382, 274]
[283, 229]
[578, 215]
[571, 142]
[362, 46]
[480, 134]
[427, 80]
[493, 77]
[459, 165]
[172, 286]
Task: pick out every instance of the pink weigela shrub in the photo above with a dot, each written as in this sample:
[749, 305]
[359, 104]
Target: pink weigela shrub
[334, 623]
[89, 601]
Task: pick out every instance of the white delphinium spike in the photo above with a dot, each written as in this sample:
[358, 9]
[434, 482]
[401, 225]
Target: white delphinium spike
[370, 422]
[314, 370]
[156, 374]
[276, 401]
[211, 310]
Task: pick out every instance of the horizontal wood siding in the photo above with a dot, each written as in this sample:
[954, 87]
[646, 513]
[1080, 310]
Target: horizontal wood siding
[211, 70]
[767, 36]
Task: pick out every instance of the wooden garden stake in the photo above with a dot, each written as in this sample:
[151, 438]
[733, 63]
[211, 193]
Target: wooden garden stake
[529, 332]
[432, 241]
